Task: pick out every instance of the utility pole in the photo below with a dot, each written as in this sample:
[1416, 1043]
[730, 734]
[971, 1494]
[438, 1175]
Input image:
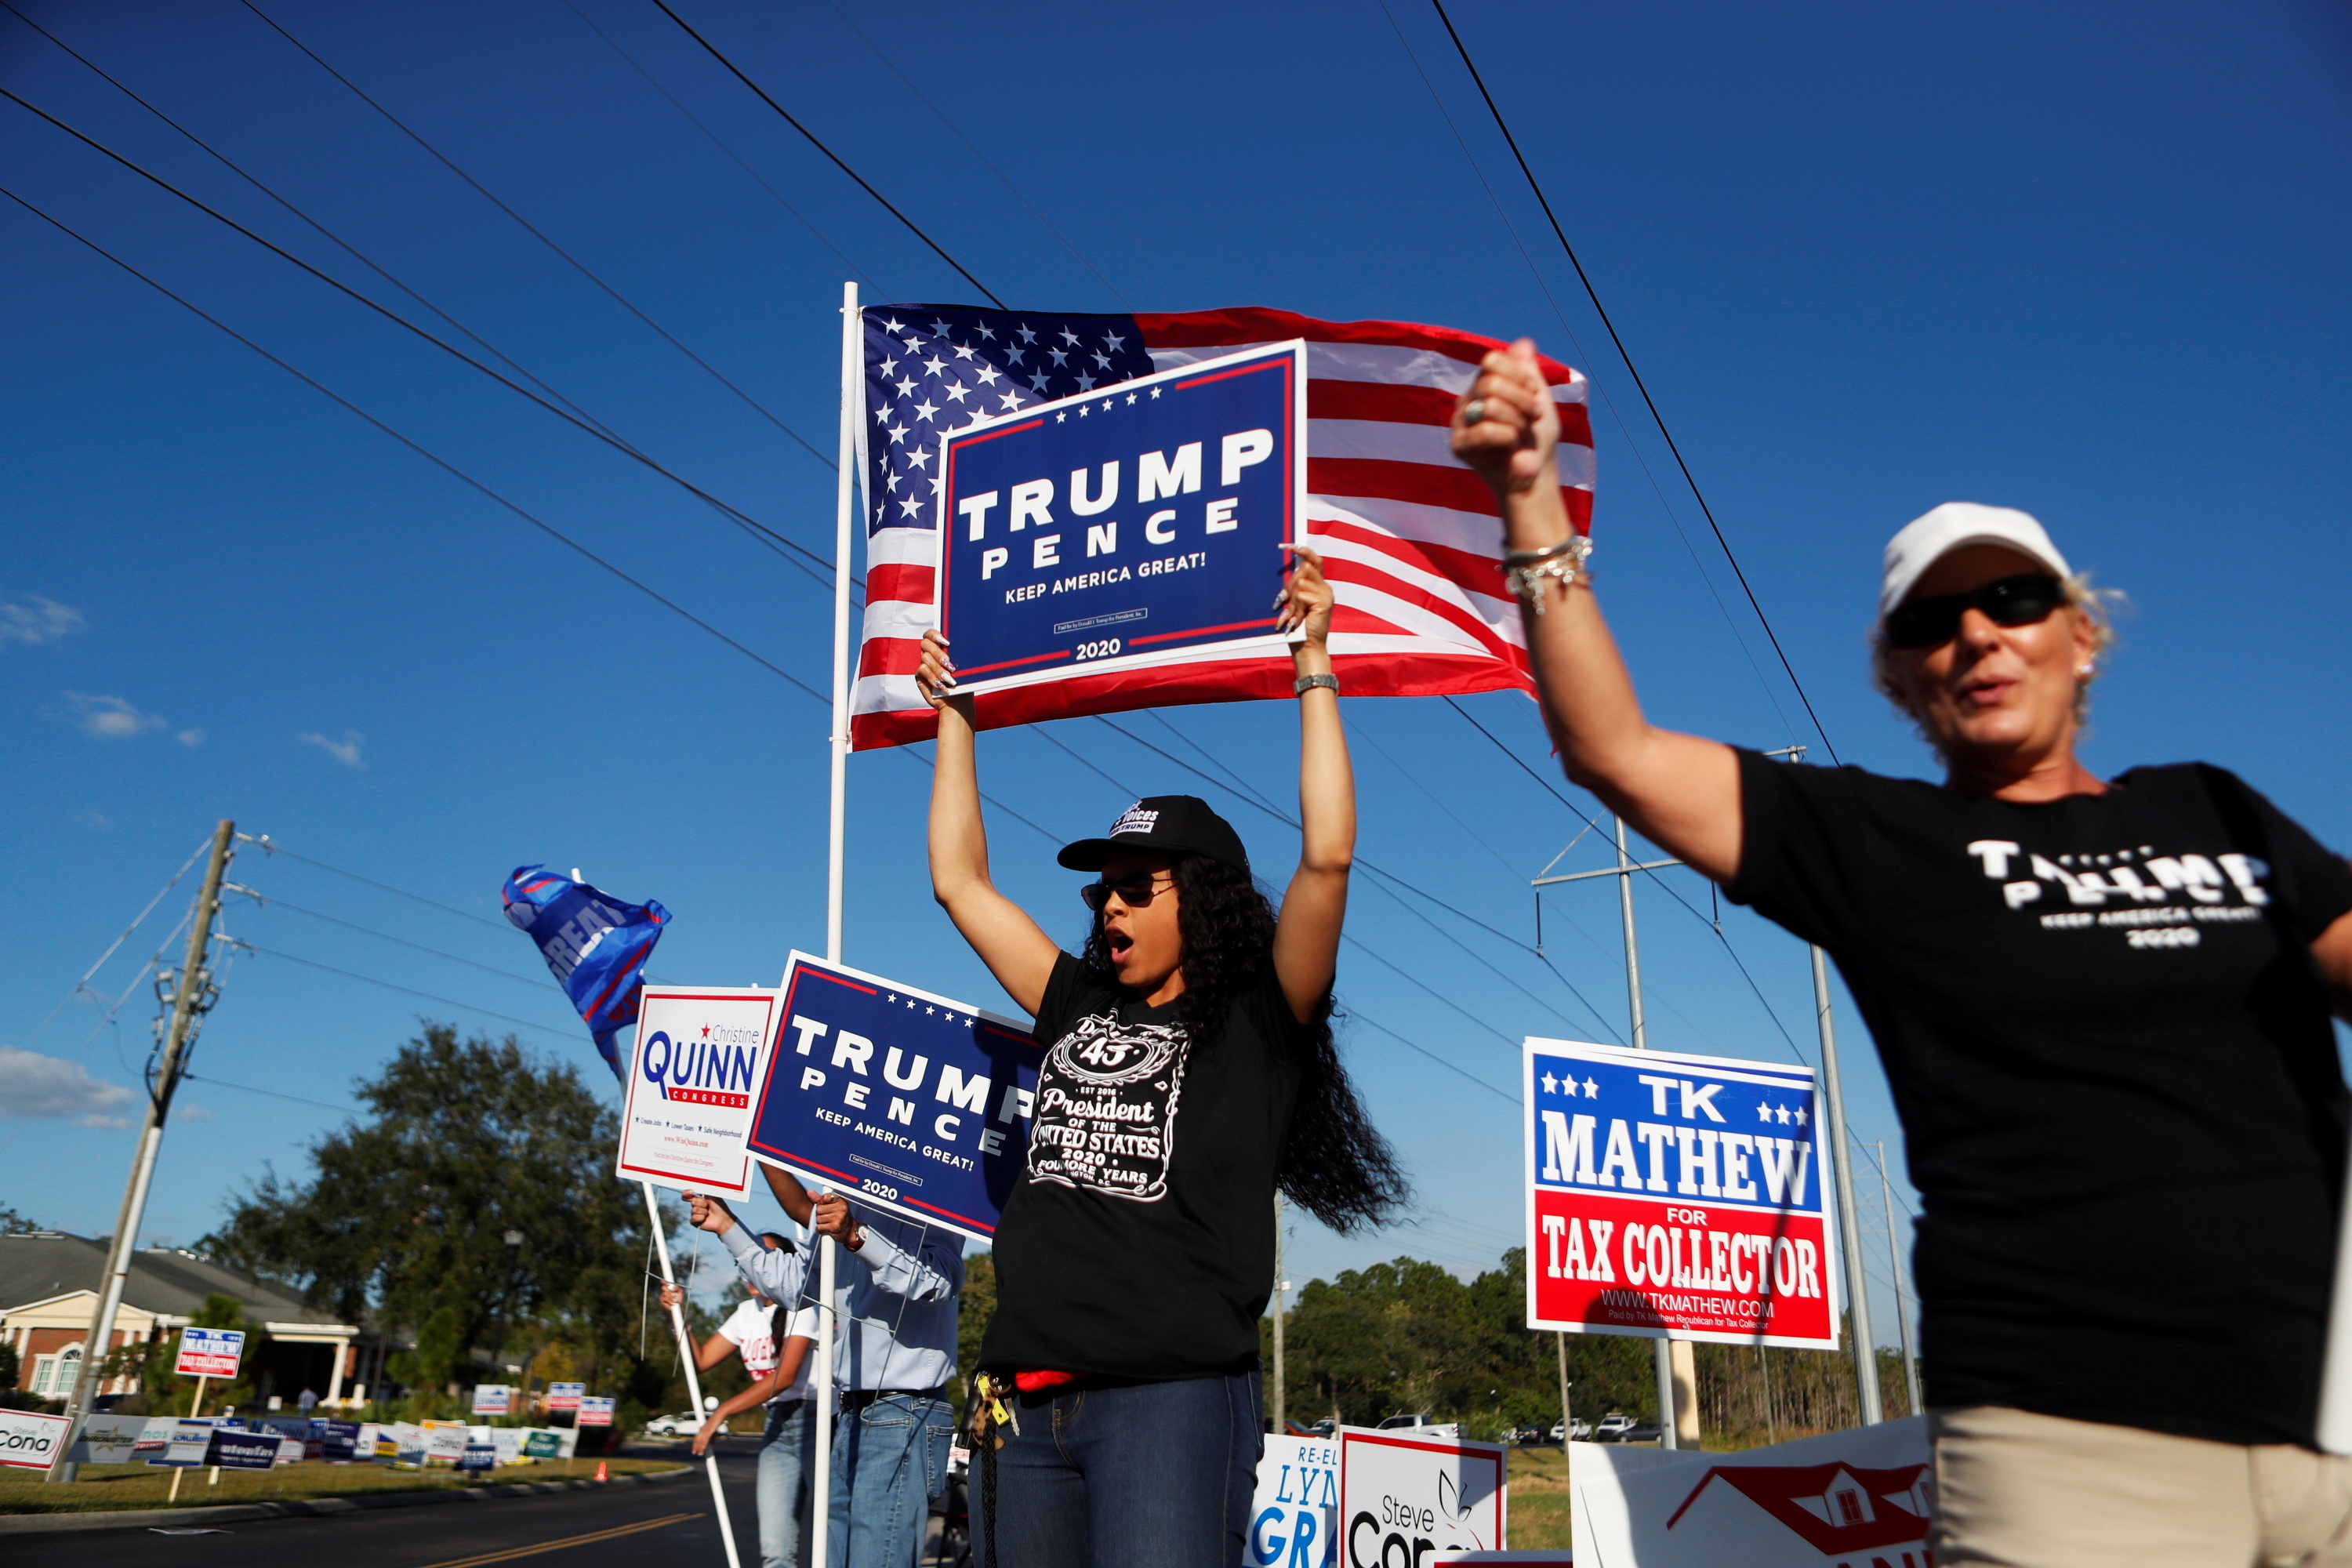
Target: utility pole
[193, 995]
[1281, 1285]
[1834, 1147]
[1567, 1416]
[1676, 1364]
[1902, 1300]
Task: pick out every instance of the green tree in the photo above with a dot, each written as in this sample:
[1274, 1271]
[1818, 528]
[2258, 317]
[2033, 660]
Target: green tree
[13, 1224]
[408, 1213]
[978, 1305]
[162, 1391]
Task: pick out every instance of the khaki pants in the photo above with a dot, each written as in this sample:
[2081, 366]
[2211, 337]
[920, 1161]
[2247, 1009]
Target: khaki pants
[2020, 1490]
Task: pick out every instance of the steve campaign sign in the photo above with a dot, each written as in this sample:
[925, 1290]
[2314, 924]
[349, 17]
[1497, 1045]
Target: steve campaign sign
[1678, 1195]
[1127, 525]
[914, 1102]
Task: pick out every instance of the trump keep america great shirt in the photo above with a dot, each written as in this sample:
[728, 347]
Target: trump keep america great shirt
[2118, 1084]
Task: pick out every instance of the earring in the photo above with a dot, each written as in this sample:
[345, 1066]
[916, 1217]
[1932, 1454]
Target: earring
[2085, 672]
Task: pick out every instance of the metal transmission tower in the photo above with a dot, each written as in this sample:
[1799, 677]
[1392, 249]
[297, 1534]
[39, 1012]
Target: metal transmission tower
[189, 994]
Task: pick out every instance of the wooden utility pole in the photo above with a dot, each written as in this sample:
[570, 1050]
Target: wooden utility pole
[193, 995]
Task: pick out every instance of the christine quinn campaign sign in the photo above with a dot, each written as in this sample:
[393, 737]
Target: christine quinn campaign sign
[916, 1103]
[1675, 1195]
[686, 1107]
[1126, 527]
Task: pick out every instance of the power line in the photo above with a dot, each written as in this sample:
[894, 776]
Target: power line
[83, 983]
[270, 846]
[1640, 458]
[535, 982]
[1630, 370]
[577, 265]
[272, 1093]
[911, 226]
[696, 119]
[405, 990]
[736, 514]
[1667, 887]
[446, 467]
[973, 149]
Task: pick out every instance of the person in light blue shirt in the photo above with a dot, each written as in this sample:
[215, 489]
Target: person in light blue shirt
[896, 1291]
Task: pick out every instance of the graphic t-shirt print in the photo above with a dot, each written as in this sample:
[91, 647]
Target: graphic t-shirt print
[1106, 1108]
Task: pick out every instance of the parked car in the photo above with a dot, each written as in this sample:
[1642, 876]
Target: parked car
[1392, 1423]
[1324, 1428]
[1580, 1430]
[1612, 1429]
[683, 1424]
[1521, 1437]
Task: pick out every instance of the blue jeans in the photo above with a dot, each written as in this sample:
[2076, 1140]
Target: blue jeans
[1146, 1475]
[890, 1460]
[783, 1484]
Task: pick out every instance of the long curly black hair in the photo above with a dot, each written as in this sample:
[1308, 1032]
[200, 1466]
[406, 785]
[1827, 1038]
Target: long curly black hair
[1335, 1164]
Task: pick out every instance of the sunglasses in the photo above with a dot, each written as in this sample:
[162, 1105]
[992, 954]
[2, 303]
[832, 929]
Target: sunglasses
[2018, 601]
[1135, 893]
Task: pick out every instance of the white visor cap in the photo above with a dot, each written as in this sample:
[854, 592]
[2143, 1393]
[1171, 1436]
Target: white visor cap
[1928, 539]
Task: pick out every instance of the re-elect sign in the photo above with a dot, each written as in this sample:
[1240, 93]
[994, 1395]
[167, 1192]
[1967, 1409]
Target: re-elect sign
[687, 1106]
[1121, 527]
[565, 1395]
[595, 1411]
[209, 1353]
[1675, 1194]
[917, 1104]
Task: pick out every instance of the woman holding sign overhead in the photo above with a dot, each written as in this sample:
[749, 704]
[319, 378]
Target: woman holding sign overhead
[2103, 1007]
[1190, 1072]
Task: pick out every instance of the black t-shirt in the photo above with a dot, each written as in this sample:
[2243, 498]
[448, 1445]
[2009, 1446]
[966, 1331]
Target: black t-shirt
[1141, 1243]
[2118, 1084]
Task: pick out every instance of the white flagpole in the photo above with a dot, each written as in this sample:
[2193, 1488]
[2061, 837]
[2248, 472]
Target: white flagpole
[852, 341]
[693, 1380]
[2336, 1369]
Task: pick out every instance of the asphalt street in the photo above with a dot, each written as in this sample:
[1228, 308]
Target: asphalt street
[600, 1528]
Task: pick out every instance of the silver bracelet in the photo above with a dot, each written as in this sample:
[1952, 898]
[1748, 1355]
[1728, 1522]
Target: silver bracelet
[1307, 683]
[1523, 570]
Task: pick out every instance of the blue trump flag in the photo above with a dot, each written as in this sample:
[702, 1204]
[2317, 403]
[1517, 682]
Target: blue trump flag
[596, 946]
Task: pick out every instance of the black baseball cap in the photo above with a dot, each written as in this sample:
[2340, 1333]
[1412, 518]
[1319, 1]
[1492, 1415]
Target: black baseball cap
[1170, 823]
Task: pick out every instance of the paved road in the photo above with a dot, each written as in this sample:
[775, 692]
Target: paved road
[620, 1528]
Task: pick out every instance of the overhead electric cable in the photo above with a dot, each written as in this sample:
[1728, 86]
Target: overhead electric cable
[696, 119]
[734, 513]
[1433, 1056]
[406, 990]
[333, 238]
[1730, 952]
[862, 185]
[973, 149]
[136, 920]
[538, 982]
[272, 1093]
[438, 462]
[574, 262]
[270, 846]
[1640, 458]
[1630, 370]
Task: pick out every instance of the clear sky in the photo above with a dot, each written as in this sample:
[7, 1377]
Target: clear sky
[2087, 261]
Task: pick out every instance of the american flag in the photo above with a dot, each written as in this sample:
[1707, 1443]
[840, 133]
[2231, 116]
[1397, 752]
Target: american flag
[1408, 536]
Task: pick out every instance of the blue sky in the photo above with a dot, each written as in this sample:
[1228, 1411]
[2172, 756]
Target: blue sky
[2085, 260]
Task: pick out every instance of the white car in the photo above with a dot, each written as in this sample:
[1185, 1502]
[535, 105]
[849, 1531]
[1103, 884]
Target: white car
[1613, 1428]
[1580, 1430]
[684, 1424]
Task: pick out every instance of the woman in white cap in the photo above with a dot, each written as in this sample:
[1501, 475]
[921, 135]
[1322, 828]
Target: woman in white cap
[1188, 1073]
[2102, 1006]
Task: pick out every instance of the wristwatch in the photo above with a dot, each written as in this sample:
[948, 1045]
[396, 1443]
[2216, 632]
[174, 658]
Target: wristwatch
[1307, 683]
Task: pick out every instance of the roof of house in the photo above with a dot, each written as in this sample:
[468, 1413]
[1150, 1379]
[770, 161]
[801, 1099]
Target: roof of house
[40, 1266]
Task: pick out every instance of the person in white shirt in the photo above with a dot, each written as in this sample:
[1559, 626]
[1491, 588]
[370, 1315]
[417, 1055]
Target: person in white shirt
[895, 1361]
[778, 1362]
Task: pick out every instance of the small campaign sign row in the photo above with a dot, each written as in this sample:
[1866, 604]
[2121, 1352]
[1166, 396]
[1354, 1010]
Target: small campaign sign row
[1677, 1196]
[916, 1102]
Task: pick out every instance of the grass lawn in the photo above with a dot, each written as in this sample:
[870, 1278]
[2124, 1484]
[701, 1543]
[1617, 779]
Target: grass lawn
[1538, 1500]
[102, 1487]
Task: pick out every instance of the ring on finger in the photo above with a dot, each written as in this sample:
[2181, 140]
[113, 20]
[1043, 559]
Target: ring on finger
[1473, 411]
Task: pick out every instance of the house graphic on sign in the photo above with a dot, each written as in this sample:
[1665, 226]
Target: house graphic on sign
[1838, 1508]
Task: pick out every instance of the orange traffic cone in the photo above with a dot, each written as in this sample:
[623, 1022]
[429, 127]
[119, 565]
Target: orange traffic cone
[601, 1474]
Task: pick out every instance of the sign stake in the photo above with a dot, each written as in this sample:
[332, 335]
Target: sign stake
[693, 1381]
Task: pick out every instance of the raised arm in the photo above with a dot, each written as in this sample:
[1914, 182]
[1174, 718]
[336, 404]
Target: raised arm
[1307, 937]
[1016, 950]
[1681, 791]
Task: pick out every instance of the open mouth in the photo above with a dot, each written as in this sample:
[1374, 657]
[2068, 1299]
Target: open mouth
[1119, 941]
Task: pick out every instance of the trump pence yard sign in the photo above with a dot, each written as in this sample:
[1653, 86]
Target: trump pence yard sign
[914, 1102]
[1677, 1196]
[1135, 524]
